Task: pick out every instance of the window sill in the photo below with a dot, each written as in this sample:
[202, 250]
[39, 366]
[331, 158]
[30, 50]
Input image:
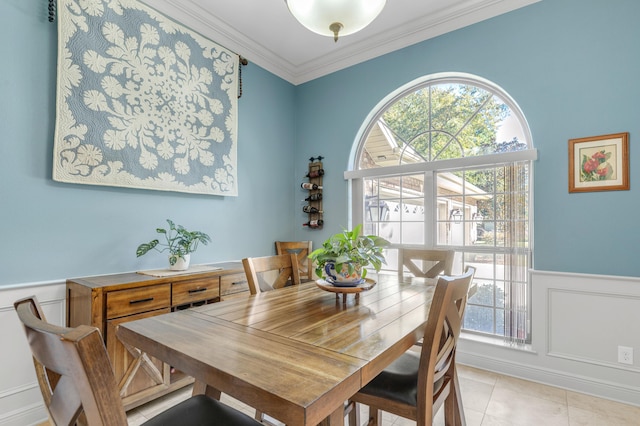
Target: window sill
[496, 342]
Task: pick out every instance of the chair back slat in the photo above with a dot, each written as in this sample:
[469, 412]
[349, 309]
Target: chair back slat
[64, 405]
[76, 358]
[418, 260]
[301, 249]
[271, 272]
[47, 379]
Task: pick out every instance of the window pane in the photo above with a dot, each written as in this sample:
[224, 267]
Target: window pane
[443, 234]
[484, 295]
[391, 231]
[500, 322]
[479, 318]
[394, 208]
[413, 233]
[391, 257]
[499, 301]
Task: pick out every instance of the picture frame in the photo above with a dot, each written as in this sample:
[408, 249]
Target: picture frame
[599, 163]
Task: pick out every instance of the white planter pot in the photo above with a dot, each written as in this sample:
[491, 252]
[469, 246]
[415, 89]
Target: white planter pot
[181, 263]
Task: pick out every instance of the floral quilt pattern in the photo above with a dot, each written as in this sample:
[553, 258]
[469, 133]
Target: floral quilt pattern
[143, 102]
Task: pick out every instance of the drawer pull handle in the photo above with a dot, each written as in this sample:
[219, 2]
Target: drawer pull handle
[198, 290]
[148, 299]
[237, 282]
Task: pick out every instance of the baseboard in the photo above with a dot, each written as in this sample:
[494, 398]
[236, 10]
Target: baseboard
[31, 415]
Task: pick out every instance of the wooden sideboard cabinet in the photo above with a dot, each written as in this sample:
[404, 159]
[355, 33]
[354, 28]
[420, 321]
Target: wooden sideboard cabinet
[107, 301]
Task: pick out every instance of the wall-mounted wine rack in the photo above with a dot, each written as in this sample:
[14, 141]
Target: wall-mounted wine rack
[313, 200]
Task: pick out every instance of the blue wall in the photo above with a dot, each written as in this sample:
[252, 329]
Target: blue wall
[53, 231]
[572, 66]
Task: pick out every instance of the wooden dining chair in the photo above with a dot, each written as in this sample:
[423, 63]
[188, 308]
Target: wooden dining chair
[426, 263]
[271, 272]
[301, 249]
[415, 386]
[78, 384]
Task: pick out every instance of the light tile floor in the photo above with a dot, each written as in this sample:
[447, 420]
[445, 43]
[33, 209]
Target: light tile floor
[489, 399]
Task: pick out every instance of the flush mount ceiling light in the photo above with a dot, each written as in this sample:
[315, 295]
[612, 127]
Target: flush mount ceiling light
[335, 17]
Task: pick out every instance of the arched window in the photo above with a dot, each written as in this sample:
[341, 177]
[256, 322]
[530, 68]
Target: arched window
[446, 162]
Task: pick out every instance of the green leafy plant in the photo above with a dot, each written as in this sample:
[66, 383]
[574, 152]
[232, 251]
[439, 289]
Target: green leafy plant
[351, 248]
[179, 242]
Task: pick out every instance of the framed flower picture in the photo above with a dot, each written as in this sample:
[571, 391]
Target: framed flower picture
[599, 163]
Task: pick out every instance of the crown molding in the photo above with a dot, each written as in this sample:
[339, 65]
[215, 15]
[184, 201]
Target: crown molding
[443, 21]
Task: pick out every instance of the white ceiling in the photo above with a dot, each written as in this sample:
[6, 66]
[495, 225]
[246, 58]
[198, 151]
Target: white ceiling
[264, 32]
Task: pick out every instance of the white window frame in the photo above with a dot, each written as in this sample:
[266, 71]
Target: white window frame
[356, 176]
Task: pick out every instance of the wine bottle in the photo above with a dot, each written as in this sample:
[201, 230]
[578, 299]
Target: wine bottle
[308, 185]
[315, 173]
[310, 209]
[314, 197]
[314, 223]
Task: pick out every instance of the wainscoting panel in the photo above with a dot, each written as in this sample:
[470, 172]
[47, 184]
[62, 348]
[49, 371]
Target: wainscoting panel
[20, 398]
[607, 319]
[578, 322]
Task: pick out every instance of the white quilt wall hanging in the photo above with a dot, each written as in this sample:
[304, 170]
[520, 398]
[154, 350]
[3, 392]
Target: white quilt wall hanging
[142, 101]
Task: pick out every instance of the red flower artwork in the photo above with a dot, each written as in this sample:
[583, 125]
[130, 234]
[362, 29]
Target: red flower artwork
[596, 167]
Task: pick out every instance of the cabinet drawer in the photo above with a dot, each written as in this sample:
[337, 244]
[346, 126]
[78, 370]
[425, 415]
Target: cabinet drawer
[195, 291]
[136, 300]
[233, 283]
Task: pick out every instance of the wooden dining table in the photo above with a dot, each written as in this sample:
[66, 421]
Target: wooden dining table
[296, 353]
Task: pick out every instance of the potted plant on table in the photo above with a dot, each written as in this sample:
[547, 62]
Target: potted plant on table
[179, 242]
[343, 257]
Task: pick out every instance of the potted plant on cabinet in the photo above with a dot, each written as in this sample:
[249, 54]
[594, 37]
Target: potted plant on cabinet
[343, 257]
[179, 242]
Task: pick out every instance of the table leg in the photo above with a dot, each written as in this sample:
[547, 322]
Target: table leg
[336, 418]
[201, 388]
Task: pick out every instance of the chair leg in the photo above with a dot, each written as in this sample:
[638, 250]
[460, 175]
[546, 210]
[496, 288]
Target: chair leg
[352, 409]
[259, 416]
[454, 411]
[375, 417]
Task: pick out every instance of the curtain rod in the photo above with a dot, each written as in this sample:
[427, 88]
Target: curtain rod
[243, 61]
[52, 10]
